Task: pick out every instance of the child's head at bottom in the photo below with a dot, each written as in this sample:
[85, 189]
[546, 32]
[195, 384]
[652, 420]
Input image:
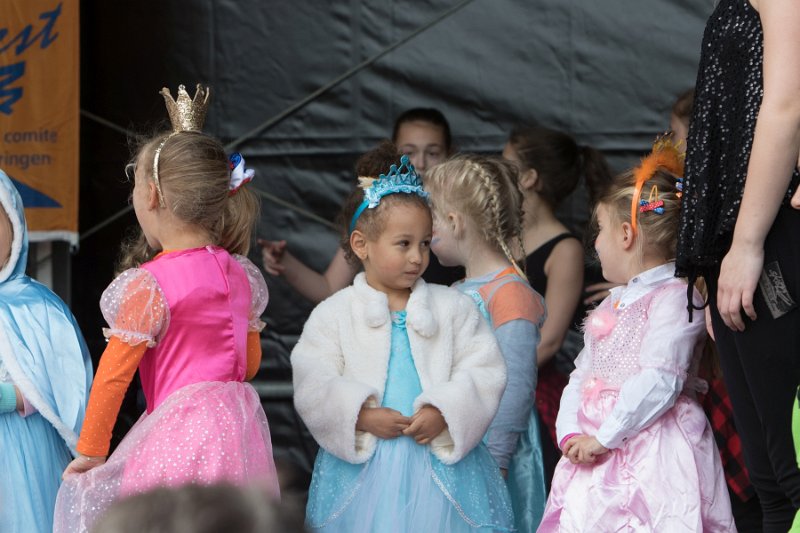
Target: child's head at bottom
[200, 509]
[475, 200]
[182, 182]
[388, 222]
[637, 219]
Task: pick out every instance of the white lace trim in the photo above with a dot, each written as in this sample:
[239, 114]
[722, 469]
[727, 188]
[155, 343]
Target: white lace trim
[129, 337]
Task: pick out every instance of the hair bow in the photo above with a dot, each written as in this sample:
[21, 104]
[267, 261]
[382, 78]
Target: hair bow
[239, 174]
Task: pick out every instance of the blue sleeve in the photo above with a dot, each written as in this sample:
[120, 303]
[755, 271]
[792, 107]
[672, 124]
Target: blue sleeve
[518, 340]
[8, 398]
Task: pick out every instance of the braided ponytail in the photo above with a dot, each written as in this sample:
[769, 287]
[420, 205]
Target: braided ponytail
[484, 189]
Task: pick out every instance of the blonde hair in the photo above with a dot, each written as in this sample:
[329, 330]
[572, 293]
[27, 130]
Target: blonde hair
[486, 191]
[195, 174]
[659, 231]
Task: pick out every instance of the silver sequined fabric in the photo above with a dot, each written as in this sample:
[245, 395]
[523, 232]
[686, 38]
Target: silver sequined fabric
[727, 99]
[615, 357]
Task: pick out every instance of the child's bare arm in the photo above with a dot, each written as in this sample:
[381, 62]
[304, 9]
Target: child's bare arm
[313, 285]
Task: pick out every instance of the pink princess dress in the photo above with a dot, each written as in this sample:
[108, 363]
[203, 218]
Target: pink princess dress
[634, 390]
[203, 424]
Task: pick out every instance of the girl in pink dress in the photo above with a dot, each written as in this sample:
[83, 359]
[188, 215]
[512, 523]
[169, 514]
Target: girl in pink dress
[639, 453]
[188, 319]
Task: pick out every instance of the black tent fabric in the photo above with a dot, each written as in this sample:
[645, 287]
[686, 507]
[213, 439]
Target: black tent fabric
[605, 72]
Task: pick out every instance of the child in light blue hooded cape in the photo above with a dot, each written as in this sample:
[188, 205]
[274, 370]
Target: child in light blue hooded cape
[45, 377]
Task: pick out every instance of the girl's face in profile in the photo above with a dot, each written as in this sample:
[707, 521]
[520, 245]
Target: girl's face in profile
[6, 237]
[142, 198]
[609, 247]
[444, 243]
[423, 143]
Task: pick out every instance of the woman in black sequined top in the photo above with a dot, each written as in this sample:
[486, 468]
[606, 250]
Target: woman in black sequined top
[739, 231]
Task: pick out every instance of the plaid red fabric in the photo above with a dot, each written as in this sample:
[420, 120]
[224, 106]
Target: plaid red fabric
[717, 405]
[549, 386]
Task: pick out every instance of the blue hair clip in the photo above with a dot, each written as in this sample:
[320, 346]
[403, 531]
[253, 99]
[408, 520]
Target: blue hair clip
[401, 179]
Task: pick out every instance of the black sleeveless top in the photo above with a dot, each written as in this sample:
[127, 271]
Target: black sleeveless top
[534, 269]
[534, 262]
[728, 95]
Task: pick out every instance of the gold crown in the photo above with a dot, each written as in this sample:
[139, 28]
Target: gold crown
[184, 113]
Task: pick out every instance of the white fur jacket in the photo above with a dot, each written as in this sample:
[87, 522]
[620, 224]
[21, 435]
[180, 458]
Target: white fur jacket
[341, 360]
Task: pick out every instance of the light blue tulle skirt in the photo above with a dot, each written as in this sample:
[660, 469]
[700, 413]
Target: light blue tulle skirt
[404, 488]
[32, 458]
[526, 478]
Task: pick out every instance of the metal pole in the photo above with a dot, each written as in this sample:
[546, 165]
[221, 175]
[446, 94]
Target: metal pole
[325, 88]
[272, 121]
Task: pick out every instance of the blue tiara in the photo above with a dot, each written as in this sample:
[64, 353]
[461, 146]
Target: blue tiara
[399, 180]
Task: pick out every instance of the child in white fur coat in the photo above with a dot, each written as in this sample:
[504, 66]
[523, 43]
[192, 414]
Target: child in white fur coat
[398, 381]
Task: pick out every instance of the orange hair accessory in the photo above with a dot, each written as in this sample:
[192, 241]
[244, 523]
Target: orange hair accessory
[665, 154]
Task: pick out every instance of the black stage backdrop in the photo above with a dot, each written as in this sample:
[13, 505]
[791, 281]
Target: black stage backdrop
[605, 71]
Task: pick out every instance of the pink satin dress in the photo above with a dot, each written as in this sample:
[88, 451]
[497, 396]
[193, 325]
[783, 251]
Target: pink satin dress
[667, 476]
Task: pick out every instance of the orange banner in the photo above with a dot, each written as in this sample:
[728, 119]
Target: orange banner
[39, 111]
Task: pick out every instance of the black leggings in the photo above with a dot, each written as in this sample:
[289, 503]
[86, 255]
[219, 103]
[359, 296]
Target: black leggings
[761, 367]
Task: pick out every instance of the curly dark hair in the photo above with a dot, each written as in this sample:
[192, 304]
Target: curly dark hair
[371, 222]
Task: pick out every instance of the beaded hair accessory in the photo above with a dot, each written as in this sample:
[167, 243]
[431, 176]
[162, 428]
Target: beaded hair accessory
[185, 114]
[652, 203]
[402, 179]
[679, 186]
[666, 155]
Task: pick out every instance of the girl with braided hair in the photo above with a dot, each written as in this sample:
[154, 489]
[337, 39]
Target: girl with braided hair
[477, 221]
[639, 453]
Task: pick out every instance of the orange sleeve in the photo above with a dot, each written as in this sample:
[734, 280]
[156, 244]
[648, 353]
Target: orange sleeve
[115, 372]
[514, 301]
[253, 354]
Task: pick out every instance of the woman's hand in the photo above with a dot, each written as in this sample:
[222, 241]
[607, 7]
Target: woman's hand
[272, 253]
[382, 422]
[738, 278]
[426, 424]
[83, 463]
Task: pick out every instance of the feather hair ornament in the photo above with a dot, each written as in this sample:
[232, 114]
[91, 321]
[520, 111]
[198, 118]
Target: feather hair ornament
[665, 154]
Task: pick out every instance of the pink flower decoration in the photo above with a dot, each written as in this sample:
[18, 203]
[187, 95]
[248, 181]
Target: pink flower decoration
[600, 322]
